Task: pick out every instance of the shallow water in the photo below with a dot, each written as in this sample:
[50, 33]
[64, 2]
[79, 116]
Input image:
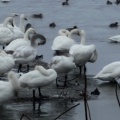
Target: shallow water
[92, 16]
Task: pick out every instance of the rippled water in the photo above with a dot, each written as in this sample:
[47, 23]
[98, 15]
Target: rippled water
[94, 17]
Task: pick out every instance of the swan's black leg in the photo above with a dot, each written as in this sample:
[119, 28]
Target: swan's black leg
[34, 99]
[27, 68]
[80, 68]
[65, 83]
[19, 68]
[40, 94]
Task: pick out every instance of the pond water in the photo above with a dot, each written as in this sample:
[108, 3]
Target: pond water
[94, 17]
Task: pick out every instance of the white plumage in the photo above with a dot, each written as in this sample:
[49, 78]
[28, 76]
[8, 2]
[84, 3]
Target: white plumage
[110, 72]
[115, 38]
[10, 88]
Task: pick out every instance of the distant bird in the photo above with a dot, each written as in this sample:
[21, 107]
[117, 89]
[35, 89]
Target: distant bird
[95, 92]
[65, 3]
[117, 2]
[109, 2]
[38, 78]
[69, 29]
[52, 25]
[114, 24]
[110, 72]
[40, 15]
[9, 89]
[5, 1]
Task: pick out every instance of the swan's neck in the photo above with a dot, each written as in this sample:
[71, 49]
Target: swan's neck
[5, 23]
[82, 39]
[26, 35]
[22, 26]
[33, 43]
[63, 32]
[13, 79]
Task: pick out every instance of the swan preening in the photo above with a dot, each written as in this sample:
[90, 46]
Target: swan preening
[10, 88]
[64, 41]
[38, 78]
[83, 53]
[25, 53]
[110, 72]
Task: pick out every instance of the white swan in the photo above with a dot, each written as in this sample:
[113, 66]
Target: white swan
[6, 33]
[83, 53]
[19, 42]
[9, 89]
[38, 78]
[62, 42]
[63, 64]
[115, 38]
[110, 72]
[25, 53]
[6, 62]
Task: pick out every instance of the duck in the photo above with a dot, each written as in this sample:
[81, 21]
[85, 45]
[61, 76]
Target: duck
[5, 1]
[9, 89]
[65, 3]
[114, 24]
[109, 2]
[62, 64]
[40, 15]
[52, 24]
[6, 62]
[25, 53]
[110, 72]
[83, 53]
[63, 43]
[6, 33]
[74, 27]
[12, 46]
[114, 39]
[38, 78]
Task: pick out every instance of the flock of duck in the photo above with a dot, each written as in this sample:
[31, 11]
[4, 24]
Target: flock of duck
[19, 47]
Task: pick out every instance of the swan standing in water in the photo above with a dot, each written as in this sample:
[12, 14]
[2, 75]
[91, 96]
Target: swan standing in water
[110, 72]
[10, 88]
[6, 62]
[25, 54]
[62, 43]
[115, 39]
[6, 33]
[83, 53]
[19, 42]
[63, 64]
[38, 78]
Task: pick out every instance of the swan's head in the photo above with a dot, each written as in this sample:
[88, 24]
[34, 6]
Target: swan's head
[10, 21]
[31, 31]
[14, 15]
[63, 32]
[82, 32]
[22, 16]
[40, 39]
